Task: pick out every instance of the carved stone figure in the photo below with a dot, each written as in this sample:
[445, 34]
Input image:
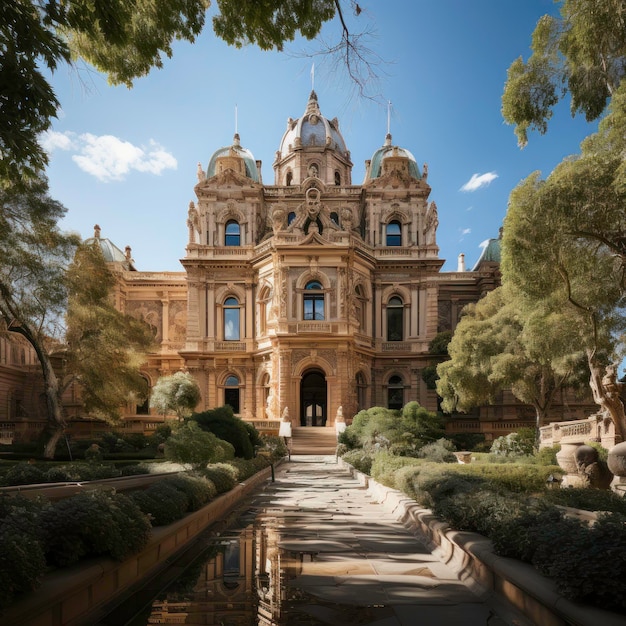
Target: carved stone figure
[432, 222]
[594, 473]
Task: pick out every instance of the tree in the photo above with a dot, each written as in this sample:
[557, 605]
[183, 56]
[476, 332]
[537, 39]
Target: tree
[500, 344]
[564, 247]
[178, 393]
[438, 347]
[190, 444]
[583, 52]
[123, 39]
[103, 348]
[34, 254]
[56, 294]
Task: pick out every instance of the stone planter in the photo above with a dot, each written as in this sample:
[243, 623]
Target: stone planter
[617, 464]
[566, 458]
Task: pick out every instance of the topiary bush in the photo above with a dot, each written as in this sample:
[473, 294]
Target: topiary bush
[275, 446]
[360, 460]
[199, 490]
[587, 499]
[222, 475]
[24, 474]
[163, 503]
[93, 524]
[192, 445]
[224, 425]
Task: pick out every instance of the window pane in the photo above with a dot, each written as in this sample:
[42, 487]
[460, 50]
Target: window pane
[319, 308]
[231, 324]
[233, 234]
[231, 397]
[394, 324]
[394, 234]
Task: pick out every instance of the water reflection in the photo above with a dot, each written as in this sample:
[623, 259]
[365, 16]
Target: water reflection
[236, 581]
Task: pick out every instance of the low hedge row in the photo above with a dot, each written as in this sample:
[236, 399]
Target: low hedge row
[36, 535]
[510, 505]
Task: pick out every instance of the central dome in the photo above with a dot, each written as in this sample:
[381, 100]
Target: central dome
[312, 130]
[236, 151]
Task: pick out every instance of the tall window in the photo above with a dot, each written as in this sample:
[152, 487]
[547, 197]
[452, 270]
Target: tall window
[395, 319]
[291, 217]
[144, 408]
[232, 234]
[231, 392]
[361, 391]
[395, 393]
[313, 301]
[360, 307]
[394, 234]
[231, 319]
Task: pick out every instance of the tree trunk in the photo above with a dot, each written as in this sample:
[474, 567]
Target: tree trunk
[606, 393]
[56, 420]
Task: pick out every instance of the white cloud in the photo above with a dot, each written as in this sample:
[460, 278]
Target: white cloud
[479, 180]
[466, 231]
[109, 158]
[51, 140]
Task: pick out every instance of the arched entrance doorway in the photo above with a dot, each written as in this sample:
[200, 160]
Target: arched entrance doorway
[313, 399]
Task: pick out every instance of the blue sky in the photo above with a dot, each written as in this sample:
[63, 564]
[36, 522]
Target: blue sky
[127, 159]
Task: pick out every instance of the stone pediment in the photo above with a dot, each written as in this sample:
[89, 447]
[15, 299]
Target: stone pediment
[314, 239]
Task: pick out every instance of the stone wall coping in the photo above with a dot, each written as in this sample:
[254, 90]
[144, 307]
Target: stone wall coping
[476, 562]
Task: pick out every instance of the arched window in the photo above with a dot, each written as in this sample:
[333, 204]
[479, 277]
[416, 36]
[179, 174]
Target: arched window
[291, 217]
[313, 301]
[232, 235]
[337, 178]
[231, 392]
[231, 319]
[395, 319]
[395, 393]
[334, 218]
[394, 233]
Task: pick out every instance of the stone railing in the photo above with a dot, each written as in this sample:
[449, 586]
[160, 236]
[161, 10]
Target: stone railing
[594, 428]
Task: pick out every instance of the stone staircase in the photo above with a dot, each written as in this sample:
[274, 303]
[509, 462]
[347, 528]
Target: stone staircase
[314, 440]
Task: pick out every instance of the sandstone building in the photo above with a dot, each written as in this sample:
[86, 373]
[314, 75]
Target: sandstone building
[312, 293]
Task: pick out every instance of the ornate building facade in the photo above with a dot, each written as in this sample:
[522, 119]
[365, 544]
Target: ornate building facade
[311, 294]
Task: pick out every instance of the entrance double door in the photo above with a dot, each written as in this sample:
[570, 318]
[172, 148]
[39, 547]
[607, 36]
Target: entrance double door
[313, 402]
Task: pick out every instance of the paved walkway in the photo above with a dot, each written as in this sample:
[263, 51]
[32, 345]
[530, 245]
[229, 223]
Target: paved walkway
[355, 564]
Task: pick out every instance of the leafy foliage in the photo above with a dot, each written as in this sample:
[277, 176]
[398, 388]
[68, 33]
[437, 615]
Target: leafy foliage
[190, 444]
[222, 422]
[522, 442]
[222, 475]
[162, 502]
[178, 393]
[583, 52]
[92, 524]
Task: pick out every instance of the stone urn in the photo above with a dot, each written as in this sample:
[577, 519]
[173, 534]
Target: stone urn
[566, 458]
[617, 465]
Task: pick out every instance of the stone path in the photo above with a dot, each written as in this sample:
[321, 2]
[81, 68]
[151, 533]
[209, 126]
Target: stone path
[352, 563]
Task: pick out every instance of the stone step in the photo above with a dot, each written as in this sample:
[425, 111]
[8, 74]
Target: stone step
[313, 440]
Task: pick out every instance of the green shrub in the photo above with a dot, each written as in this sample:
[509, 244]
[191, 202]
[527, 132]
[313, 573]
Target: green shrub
[24, 474]
[224, 425]
[440, 451]
[22, 559]
[198, 489]
[275, 446]
[93, 524]
[587, 499]
[58, 474]
[468, 441]
[93, 453]
[191, 444]
[360, 460]
[547, 455]
[520, 443]
[163, 503]
[223, 476]
[135, 469]
[385, 466]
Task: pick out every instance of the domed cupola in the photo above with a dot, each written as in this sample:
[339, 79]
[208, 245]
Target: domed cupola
[390, 158]
[235, 158]
[111, 253]
[312, 146]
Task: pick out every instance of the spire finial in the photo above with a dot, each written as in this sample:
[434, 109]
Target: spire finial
[236, 121]
[312, 76]
[389, 117]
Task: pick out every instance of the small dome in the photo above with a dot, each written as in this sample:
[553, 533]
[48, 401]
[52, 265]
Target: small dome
[236, 151]
[490, 253]
[312, 129]
[110, 252]
[376, 164]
